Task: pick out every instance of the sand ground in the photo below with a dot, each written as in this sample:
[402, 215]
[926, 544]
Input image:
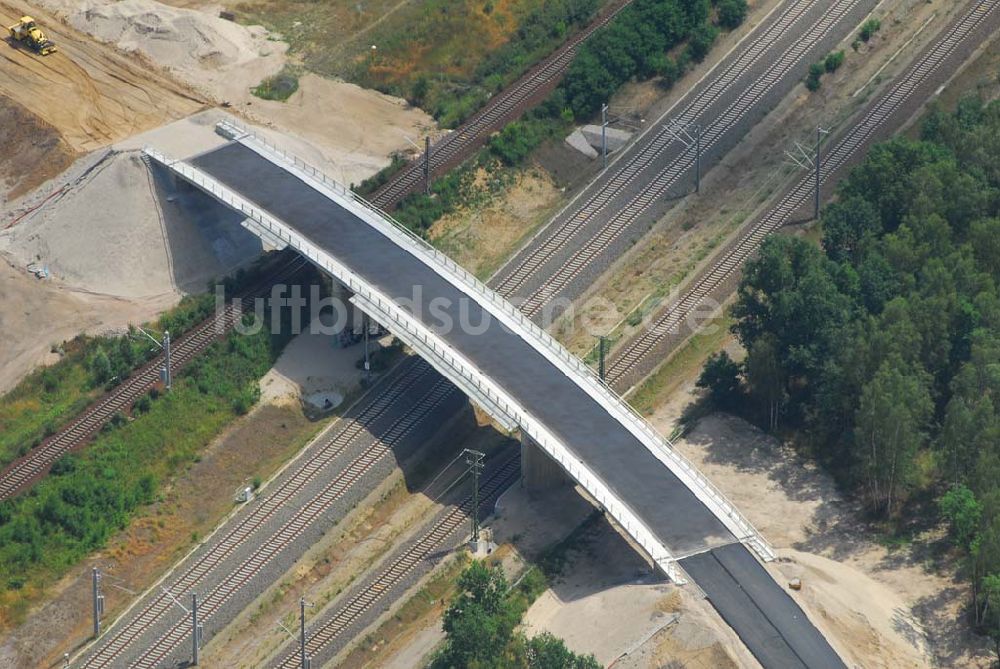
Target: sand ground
[119, 246]
[92, 95]
[356, 129]
[37, 315]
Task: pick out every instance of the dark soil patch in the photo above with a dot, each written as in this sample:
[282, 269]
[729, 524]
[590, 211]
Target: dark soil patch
[31, 151]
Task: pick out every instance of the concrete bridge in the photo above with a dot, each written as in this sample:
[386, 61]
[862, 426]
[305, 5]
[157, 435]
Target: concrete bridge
[523, 378]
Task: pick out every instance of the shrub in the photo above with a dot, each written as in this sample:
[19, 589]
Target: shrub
[813, 79]
[868, 29]
[701, 41]
[721, 377]
[280, 87]
[142, 405]
[833, 61]
[731, 13]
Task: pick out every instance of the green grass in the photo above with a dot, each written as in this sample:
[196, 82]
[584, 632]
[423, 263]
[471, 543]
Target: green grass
[49, 397]
[446, 56]
[280, 87]
[44, 401]
[689, 356]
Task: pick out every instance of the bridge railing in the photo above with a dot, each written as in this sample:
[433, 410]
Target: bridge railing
[570, 364]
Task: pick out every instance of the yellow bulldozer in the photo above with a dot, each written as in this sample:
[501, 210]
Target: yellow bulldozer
[27, 32]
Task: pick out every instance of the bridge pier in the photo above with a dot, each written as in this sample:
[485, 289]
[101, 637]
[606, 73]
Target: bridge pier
[538, 470]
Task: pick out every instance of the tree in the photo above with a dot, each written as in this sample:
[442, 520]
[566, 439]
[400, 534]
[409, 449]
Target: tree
[100, 366]
[545, 651]
[480, 621]
[970, 428]
[869, 28]
[833, 61]
[813, 78]
[701, 41]
[963, 512]
[766, 379]
[893, 413]
[848, 226]
[991, 613]
[721, 377]
[731, 13]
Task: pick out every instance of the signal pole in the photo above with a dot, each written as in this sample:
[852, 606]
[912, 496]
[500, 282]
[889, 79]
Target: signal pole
[302, 633]
[604, 135]
[367, 326]
[195, 630]
[697, 158]
[166, 359]
[475, 461]
[683, 134]
[427, 165]
[601, 339]
[819, 138]
[98, 600]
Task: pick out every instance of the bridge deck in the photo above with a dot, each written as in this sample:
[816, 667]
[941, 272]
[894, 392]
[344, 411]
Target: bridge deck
[774, 628]
[648, 487]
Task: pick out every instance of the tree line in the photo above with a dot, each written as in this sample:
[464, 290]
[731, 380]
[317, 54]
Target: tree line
[90, 495]
[880, 349]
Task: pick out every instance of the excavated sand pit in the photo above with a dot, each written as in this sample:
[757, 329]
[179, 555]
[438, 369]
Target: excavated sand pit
[90, 94]
[126, 230]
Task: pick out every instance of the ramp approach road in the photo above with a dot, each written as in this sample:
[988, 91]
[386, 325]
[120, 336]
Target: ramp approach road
[517, 373]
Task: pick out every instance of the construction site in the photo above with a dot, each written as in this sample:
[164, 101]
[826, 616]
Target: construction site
[529, 292]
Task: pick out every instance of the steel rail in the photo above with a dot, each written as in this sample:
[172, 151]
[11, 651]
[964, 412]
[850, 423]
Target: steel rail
[626, 172]
[395, 568]
[655, 189]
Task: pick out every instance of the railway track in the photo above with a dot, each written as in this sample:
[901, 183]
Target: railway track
[417, 375]
[400, 567]
[500, 110]
[513, 277]
[21, 473]
[632, 358]
[652, 190]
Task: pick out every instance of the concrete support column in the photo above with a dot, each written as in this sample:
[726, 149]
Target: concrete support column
[539, 471]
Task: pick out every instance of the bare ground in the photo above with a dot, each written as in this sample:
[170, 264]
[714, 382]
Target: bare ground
[39, 314]
[481, 238]
[89, 93]
[32, 154]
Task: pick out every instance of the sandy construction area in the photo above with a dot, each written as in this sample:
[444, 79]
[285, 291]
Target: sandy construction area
[126, 231]
[356, 129]
[92, 95]
[881, 607]
[219, 58]
[37, 314]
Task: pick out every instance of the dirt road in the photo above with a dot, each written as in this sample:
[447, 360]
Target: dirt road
[92, 95]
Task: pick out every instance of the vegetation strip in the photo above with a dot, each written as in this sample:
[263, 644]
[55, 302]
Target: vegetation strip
[92, 494]
[879, 351]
